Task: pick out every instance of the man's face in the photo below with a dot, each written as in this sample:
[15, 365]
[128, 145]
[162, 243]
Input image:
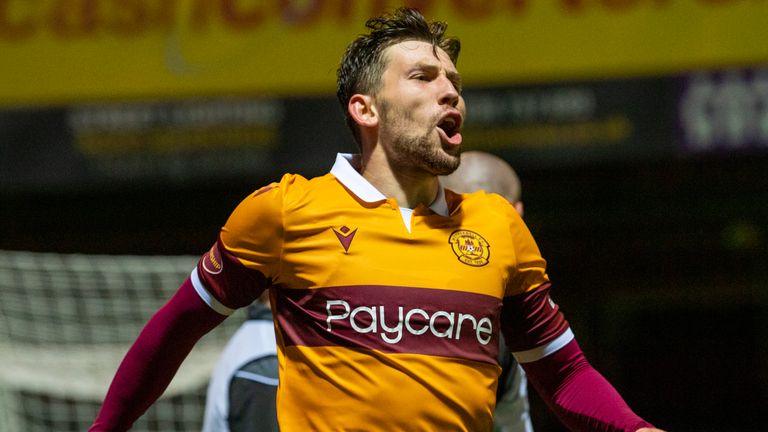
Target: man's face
[421, 109]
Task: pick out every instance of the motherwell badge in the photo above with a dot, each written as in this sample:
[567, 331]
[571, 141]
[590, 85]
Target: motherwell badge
[470, 247]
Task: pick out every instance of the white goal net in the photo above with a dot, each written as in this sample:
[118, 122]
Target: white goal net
[66, 320]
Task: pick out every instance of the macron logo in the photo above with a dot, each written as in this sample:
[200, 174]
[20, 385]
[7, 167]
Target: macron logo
[345, 236]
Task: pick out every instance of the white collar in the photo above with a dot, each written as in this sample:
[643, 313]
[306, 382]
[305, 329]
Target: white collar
[352, 180]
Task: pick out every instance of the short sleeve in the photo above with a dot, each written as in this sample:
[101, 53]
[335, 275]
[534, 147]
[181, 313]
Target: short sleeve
[254, 231]
[531, 321]
[245, 259]
[529, 269]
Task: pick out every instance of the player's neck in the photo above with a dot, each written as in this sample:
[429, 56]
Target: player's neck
[409, 187]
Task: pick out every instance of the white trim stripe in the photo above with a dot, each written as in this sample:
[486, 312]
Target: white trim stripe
[207, 297]
[352, 180]
[250, 376]
[407, 215]
[539, 353]
[440, 205]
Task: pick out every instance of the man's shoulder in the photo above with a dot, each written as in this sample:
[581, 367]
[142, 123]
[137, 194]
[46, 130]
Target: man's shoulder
[480, 201]
[292, 184]
[298, 190]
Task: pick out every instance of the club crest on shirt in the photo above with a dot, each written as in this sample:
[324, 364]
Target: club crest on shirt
[212, 262]
[470, 247]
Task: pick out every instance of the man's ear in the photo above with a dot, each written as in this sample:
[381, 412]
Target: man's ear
[361, 109]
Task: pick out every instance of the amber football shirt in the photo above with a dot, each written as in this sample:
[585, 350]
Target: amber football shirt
[386, 318]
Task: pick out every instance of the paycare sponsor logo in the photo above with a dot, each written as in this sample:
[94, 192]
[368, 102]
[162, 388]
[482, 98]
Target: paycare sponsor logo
[390, 323]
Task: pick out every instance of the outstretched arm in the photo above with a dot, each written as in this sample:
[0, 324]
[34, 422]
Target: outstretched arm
[154, 358]
[582, 398]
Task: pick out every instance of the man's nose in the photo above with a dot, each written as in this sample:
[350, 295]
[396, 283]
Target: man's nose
[448, 93]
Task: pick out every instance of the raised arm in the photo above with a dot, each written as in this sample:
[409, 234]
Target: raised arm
[580, 396]
[155, 356]
[541, 340]
[221, 283]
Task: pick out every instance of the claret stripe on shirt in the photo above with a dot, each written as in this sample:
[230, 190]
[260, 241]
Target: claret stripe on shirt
[392, 319]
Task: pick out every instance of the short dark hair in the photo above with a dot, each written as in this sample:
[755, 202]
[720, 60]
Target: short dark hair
[363, 64]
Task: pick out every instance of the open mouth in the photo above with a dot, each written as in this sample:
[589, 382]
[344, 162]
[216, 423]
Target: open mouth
[450, 125]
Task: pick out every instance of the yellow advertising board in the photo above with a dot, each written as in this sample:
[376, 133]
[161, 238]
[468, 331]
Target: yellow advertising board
[64, 51]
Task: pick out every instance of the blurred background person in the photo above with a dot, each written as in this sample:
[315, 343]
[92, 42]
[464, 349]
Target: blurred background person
[242, 393]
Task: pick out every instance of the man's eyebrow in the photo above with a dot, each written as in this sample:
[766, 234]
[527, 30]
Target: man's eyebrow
[453, 76]
[431, 67]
